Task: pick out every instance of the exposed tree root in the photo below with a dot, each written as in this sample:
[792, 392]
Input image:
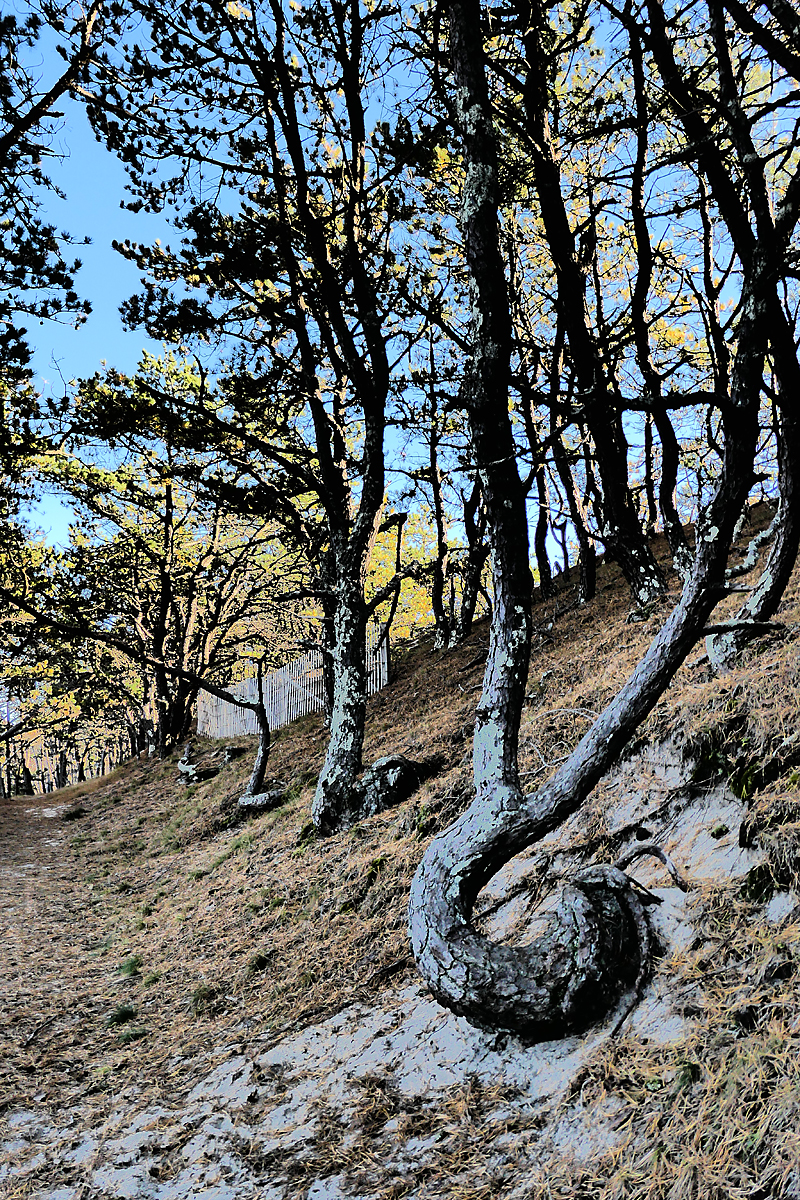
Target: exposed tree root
[388, 782]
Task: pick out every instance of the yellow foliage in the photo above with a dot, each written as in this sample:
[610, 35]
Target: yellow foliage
[419, 545]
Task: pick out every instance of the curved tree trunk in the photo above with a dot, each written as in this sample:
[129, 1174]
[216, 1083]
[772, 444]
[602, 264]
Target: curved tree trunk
[577, 968]
[255, 783]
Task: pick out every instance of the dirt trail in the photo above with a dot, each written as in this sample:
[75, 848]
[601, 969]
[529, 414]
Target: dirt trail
[45, 937]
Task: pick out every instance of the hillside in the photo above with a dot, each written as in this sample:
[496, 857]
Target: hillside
[198, 1003]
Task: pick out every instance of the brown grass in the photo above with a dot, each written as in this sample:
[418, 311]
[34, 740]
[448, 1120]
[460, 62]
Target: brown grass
[243, 930]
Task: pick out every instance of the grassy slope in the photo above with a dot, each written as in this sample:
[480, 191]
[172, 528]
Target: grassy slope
[216, 929]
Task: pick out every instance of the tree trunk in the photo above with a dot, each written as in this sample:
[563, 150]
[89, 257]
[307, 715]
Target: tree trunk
[484, 393]
[587, 585]
[335, 804]
[256, 781]
[178, 714]
[441, 614]
[546, 589]
[574, 972]
[763, 601]
[649, 484]
[673, 526]
[622, 533]
[62, 770]
[327, 634]
[477, 554]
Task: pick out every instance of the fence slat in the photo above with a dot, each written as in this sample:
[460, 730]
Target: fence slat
[290, 692]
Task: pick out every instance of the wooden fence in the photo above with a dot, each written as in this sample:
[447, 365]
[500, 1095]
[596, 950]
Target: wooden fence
[289, 693]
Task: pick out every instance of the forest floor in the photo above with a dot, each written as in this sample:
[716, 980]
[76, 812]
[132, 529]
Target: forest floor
[197, 1003]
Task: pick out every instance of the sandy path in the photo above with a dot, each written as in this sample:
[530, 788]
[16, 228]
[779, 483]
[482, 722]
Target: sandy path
[48, 983]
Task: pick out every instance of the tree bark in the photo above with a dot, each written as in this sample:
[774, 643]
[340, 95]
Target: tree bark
[484, 394]
[574, 972]
[587, 585]
[477, 554]
[673, 526]
[546, 589]
[336, 801]
[763, 601]
[256, 781]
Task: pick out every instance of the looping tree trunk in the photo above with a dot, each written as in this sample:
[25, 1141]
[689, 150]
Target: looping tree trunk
[594, 938]
[588, 956]
[583, 961]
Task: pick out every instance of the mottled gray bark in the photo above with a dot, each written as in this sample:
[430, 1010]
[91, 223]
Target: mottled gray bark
[389, 781]
[591, 950]
[342, 798]
[256, 782]
[336, 801]
[484, 395]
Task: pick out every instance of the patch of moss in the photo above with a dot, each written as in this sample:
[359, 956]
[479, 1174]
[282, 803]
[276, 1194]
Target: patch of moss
[131, 966]
[759, 884]
[122, 1014]
[131, 1034]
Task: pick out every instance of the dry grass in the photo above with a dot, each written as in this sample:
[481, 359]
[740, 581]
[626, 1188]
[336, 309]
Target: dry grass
[241, 931]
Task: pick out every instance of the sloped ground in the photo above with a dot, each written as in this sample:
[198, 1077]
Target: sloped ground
[200, 1005]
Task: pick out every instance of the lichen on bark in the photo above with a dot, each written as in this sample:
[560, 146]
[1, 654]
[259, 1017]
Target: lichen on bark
[597, 943]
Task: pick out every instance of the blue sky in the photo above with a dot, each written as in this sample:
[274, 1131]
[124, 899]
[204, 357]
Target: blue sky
[93, 182]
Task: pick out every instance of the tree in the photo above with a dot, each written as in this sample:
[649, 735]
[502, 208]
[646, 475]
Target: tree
[572, 975]
[436, 462]
[36, 277]
[163, 588]
[294, 256]
[37, 280]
